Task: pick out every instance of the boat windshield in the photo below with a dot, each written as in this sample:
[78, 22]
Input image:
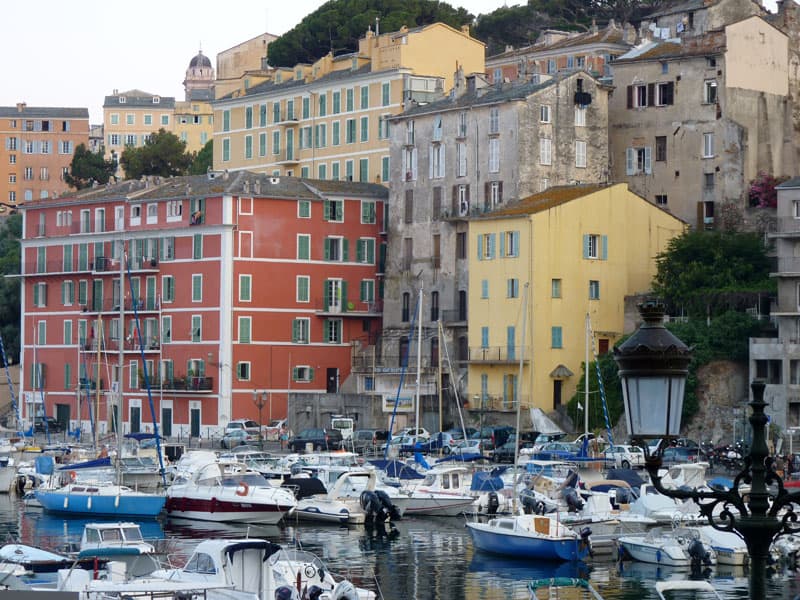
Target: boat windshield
[249, 478]
[132, 534]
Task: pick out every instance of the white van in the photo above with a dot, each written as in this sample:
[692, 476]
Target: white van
[345, 425]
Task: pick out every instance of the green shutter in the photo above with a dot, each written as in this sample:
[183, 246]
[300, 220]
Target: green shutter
[325, 290]
[327, 247]
[502, 244]
[310, 373]
[295, 330]
[326, 210]
[345, 250]
[604, 249]
[371, 252]
[344, 296]
[480, 247]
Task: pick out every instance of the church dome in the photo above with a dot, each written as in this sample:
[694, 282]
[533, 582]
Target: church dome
[200, 61]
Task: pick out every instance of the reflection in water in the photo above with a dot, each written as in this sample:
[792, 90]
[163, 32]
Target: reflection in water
[416, 558]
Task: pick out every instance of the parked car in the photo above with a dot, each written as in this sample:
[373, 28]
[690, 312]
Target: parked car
[467, 447]
[557, 451]
[493, 436]
[675, 455]
[44, 424]
[458, 433]
[237, 437]
[320, 439]
[273, 430]
[505, 453]
[366, 439]
[623, 456]
[442, 440]
[415, 431]
[247, 425]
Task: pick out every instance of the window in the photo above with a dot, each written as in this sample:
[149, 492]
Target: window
[710, 91]
[168, 288]
[367, 290]
[580, 154]
[461, 159]
[276, 143]
[708, 145]
[333, 331]
[512, 288]
[384, 168]
[364, 97]
[368, 212]
[661, 148]
[67, 293]
[661, 200]
[350, 131]
[248, 117]
[708, 181]
[226, 149]
[408, 207]
[65, 147]
[594, 289]
[494, 120]
[638, 160]
[363, 169]
[245, 330]
[437, 164]
[335, 249]
[245, 290]
[494, 155]
[165, 119]
[365, 251]
[509, 243]
[484, 288]
[484, 337]
[323, 104]
[197, 288]
[385, 93]
[595, 246]
[226, 120]
[337, 103]
[555, 288]
[303, 246]
[243, 371]
[130, 118]
[580, 116]
[556, 337]
[544, 113]
[335, 127]
[197, 328]
[115, 118]
[545, 151]
[639, 96]
[303, 288]
[665, 93]
[306, 107]
[303, 373]
[301, 331]
[248, 146]
[461, 245]
[333, 210]
[405, 311]
[462, 124]
[486, 243]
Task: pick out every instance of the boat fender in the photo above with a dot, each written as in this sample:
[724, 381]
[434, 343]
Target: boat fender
[89, 503]
[66, 502]
[116, 502]
[658, 556]
[242, 489]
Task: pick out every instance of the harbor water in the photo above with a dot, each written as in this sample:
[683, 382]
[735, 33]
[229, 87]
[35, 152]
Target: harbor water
[421, 558]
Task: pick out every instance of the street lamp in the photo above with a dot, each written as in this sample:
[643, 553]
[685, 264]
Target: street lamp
[260, 400]
[653, 365]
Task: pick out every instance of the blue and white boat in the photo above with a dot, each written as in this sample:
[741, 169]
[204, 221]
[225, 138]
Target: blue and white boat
[102, 499]
[530, 536]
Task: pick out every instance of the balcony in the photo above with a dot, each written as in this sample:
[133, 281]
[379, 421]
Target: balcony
[287, 158]
[454, 318]
[393, 364]
[187, 384]
[497, 403]
[353, 308]
[788, 267]
[499, 355]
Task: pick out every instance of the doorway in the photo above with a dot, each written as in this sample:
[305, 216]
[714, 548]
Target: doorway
[194, 422]
[166, 421]
[63, 415]
[136, 419]
[557, 384]
[332, 386]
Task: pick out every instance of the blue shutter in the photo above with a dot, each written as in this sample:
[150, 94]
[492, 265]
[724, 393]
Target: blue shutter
[604, 249]
[484, 337]
[630, 161]
[491, 245]
[511, 342]
[515, 239]
[484, 288]
[505, 390]
[480, 247]
[585, 245]
[648, 164]
[502, 244]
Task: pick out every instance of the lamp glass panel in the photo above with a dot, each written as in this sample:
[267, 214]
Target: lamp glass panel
[653, 405]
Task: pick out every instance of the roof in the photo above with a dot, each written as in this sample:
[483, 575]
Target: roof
[791, 183]
[608, 35]
[239, 183]
[679, 7]
[44, 112]
[712, 42]
[495, 94]
[200, 61]
[550, 198]
[139, 98]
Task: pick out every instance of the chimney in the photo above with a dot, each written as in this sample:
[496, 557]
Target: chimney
[465, 29]
[629, 34]
[21, 106]
[257, 187]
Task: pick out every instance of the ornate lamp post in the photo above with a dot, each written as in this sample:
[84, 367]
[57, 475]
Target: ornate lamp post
[653, 365]
[260, 400]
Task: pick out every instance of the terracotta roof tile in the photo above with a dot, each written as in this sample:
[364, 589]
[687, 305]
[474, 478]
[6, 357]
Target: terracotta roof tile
[550, 198]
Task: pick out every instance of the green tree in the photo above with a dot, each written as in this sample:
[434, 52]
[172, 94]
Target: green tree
[88, 167]
[10, 297]
[203, 160]
[337, 26]
[162, 154]
[707, 273]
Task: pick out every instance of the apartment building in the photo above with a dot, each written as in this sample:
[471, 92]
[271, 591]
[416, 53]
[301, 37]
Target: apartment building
[480, 148]
[212, 288]
[129, 118]
[580, 250]
[330, 120]
[37, 148]
[243, 65]
[555, 51]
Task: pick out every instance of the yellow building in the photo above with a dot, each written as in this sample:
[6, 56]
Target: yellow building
[582, 249]
[329, 120]
[130, 117]
[193, 123]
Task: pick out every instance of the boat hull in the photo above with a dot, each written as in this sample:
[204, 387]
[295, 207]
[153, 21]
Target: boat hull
[124, 504]
[225, 511]
[518, 544]
[670, 556]
[439, 506]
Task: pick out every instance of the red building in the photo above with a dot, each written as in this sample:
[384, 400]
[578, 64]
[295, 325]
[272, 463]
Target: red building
[245, 288]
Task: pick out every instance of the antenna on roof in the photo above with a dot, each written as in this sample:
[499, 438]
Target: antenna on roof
[377, 26]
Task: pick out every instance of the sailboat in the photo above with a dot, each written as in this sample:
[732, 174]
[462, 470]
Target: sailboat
[529, 535]
[103, 498]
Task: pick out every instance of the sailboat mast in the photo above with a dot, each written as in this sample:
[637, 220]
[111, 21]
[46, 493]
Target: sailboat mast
[518, 399]
[419, 354]
[97, 366]
[117, 398]
[586, 381]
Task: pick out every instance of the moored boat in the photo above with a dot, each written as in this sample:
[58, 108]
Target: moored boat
[530, 536]
[100, 499]
[677, 548]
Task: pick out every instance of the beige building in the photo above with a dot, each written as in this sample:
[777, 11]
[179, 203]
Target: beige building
[697, 117]
[243, 65]
[129, 118]
[37, 148]
[330, 120]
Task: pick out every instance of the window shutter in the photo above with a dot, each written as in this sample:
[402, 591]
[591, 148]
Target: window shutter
[651, 94]
[325, 334]
[669, 93]
[371, 252]
[466, 195]
[502, 244]
[487, 201]
[360, 251]
[480, 251]
[604, 249]
[345, 249]
[295, 330]
[295, 373]
[63, 292]
[515, 238]
[509, 286]
[585, 245]
[344, 296]
[43, 295]
[36, 294]
[630, 96]
[630, 161]
[499, 191]
[430, 162]
[505, 389]
[648, 165]
[326, 210]
[310, 373]
[327, 247]
[491, 245]
[325, 289]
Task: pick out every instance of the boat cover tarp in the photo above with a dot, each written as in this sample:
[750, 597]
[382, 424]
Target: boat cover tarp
[395, 468]
[721, 483]
[486, 482]
[629, 476]
[305, 486]
[141, 435]
[96, 463]
[542, 423]
[268, 547]
[471, 457]
[45, 464]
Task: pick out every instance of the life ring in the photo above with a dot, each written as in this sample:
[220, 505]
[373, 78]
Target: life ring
[72, 476]
[242, 489]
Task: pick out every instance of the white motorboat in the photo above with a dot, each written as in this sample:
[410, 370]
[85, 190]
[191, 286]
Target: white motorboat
[122, 542]
[250, 568]
[677, 548]
[730, 548]
[212, 494]
[444, 492]
[662, 587]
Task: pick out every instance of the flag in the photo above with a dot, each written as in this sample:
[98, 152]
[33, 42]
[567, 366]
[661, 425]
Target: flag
[580, 406]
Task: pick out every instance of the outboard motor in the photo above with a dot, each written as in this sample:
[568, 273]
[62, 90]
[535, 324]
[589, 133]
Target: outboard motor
[313, 593]
[699, 553]
[344, 590]
[386, 503]
[573, 499]
[373, 507]
[532, 504]
[585, 533]
[492, 503]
